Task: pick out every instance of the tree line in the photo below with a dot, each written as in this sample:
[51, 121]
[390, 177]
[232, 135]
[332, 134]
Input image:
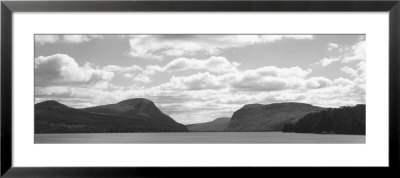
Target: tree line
[343, 120]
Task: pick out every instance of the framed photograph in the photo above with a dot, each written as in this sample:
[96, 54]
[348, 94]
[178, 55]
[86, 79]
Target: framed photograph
[141, 88]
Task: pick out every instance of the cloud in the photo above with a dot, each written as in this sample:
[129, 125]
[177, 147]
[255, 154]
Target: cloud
[147, 73]
[213, 64]
[355, 53]
[318, 82]
[326, 61]
[72, 39]
[141, 48]
[350, 71]
[342, 82]
[276, 72]
[197, 81]
[61, 69]
[158, 46]
[269, 78]
[260, 84]
[345, 91]
[332, 46]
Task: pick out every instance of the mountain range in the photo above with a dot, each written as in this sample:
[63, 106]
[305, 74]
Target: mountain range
[142, 115]
[133, 115]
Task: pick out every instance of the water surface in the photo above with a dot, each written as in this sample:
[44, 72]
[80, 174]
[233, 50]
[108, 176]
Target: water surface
[198, 137]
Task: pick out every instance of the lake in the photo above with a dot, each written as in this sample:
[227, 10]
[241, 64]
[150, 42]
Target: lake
[198, 137]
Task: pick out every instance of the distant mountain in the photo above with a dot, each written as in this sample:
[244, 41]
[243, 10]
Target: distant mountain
[344, 120]
[216, 125]
[133, 115]
[271, 117]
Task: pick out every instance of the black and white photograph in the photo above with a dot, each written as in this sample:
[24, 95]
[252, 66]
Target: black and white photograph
[199, 88]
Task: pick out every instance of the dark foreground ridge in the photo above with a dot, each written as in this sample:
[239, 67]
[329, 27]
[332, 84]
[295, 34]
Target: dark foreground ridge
[133, 115]
[344, 120]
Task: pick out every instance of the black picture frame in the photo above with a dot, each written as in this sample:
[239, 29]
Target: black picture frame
[9, 7]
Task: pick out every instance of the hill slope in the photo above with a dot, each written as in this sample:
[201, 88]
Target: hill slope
[216, 125]
[272, 117]
[134, 115]
[344, 120]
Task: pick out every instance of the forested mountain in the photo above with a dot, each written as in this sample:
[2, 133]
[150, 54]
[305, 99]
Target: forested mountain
[271, 117]
[134, 115]
[344, 120]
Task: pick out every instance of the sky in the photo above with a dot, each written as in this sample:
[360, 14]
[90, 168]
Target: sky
[198, 78]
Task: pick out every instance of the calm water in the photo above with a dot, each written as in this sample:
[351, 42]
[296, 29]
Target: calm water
[198, 137]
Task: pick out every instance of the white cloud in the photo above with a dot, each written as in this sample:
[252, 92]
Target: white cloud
[213, 64]
[43, 39]
[197, 81]
[318, 82]
[156, 47]
[332, 46]
[269, 78]
[61, 69]
[350, 71]
[326, 61]
[342, 82]
[277, 72]
[357, 53]
[141, 48]
[354, 53]
[147, 73]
